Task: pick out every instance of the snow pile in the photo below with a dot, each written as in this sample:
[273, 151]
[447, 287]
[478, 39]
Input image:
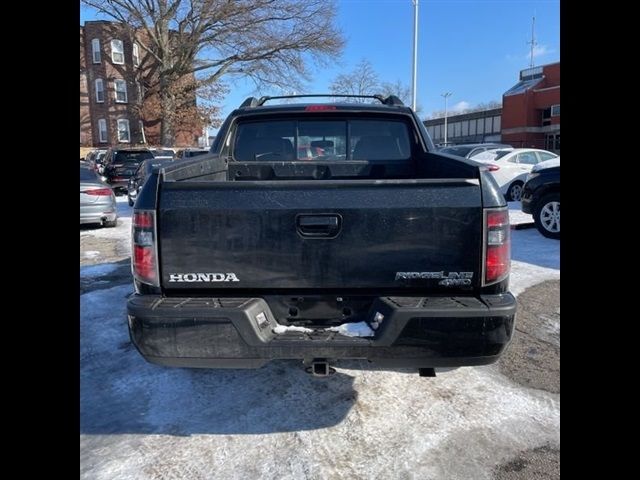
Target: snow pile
[360, 329]
[280, 329]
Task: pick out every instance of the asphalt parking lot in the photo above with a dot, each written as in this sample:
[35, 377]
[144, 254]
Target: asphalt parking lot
[140, 421]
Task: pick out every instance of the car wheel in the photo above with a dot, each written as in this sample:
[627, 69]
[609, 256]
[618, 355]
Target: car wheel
[111, 224]
[547, 215]
[514, 194]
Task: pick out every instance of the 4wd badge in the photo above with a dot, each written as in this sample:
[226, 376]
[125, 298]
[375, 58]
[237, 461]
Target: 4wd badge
[447, 279]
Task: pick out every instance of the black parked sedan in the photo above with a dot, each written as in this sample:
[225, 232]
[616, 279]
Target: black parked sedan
[140, 176]
[541, 197]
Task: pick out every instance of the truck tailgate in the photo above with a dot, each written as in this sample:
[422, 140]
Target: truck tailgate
[342, 234]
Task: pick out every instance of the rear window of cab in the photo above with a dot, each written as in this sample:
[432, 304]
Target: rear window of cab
[330, 140]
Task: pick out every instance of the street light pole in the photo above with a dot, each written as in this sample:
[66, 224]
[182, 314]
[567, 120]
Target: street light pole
[414, 93]
[445, 95]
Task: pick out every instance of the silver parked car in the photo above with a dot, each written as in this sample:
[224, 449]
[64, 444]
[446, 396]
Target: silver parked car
[97, 200]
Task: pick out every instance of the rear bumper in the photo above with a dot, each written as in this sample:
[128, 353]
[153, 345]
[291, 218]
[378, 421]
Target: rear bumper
[97, 213]
[119, 184]
[527, 202]
[416, 332]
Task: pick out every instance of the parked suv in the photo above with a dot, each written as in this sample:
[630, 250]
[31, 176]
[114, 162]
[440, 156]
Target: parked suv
[121, 164]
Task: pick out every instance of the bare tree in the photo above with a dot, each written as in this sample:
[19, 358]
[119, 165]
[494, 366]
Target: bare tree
[269, 41]
[362, 80]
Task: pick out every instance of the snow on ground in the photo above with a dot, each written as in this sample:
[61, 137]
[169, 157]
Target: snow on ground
[517, 216]
[534, 259]
[141, 421]
[103, 244]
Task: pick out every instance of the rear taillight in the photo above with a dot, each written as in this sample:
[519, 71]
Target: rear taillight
[497, 245]
[492, 168]
[99, 192]
[144, 256]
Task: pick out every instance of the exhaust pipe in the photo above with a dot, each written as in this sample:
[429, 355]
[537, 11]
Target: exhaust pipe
[320, 368]
[427, 372]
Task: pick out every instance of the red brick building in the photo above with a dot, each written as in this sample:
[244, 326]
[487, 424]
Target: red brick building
[118, 101]
[531, 109]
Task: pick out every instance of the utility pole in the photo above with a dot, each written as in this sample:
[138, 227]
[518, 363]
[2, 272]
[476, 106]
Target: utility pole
[414, 93]
[445, 95]
[533, 40]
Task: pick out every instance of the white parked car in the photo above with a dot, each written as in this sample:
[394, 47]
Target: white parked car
[510, 167]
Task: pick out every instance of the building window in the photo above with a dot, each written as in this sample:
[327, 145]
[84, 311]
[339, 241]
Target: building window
[480, 130]
[457, 129]
[121, 91]
[136, 55]
[472, 127]
[555, 110]
[117, 52]
[102, 130]
[99, 90]
[465, 128]
[496, 124]
[95, 50]
[123, 131]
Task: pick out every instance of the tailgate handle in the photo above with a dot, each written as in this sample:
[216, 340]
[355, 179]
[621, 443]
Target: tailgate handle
[319, 226]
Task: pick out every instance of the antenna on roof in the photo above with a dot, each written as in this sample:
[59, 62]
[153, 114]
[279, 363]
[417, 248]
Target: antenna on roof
[533, 39]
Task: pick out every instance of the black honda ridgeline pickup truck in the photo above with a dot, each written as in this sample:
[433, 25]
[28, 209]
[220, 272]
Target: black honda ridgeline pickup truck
[321, 232]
